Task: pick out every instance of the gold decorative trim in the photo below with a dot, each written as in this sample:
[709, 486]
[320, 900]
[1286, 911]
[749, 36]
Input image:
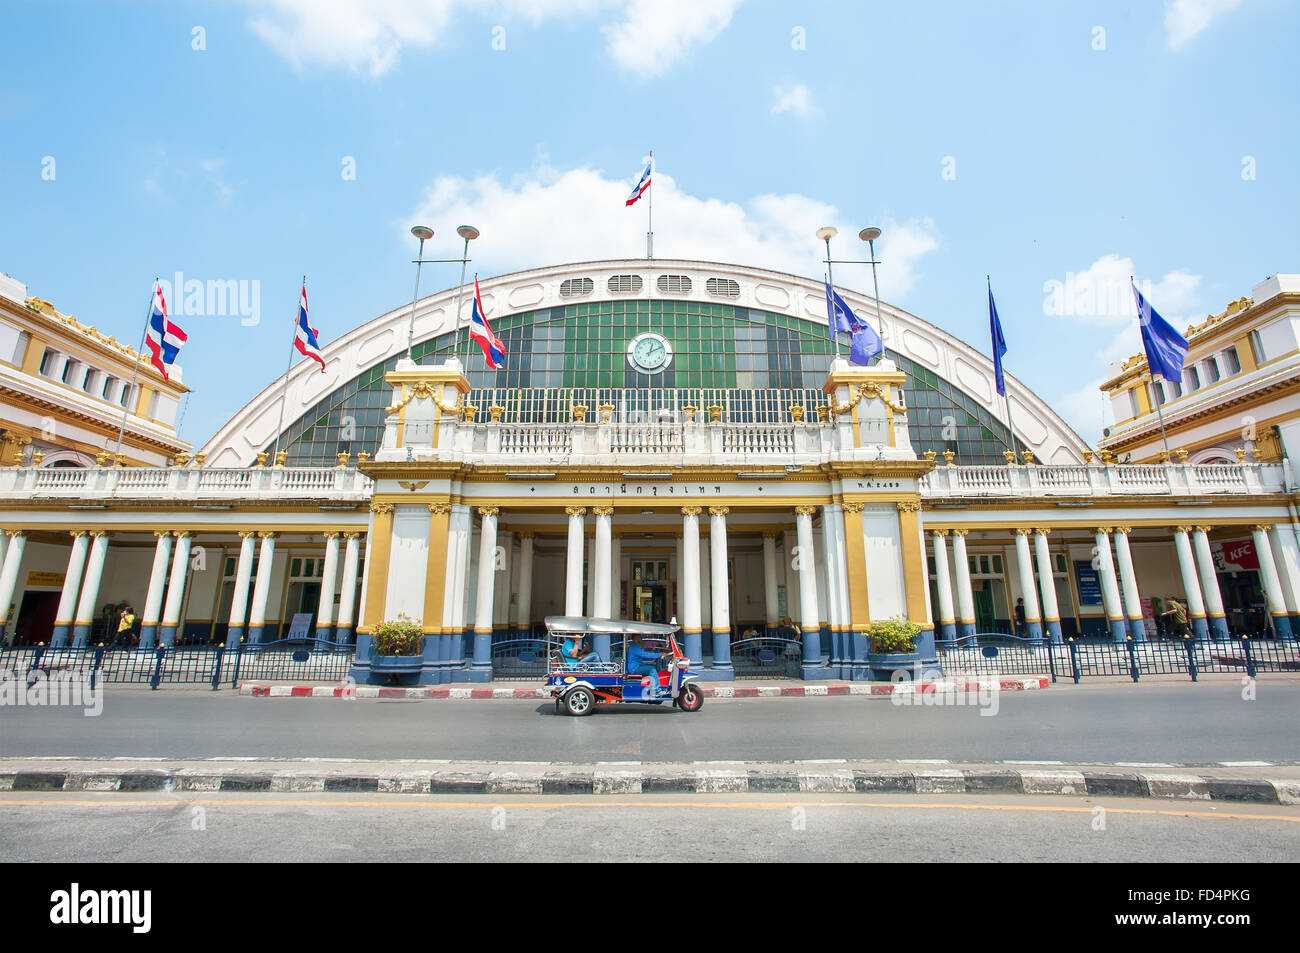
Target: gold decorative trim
[489, 510]
[575, 510]
[869, 389]
[382, 509]
[719, 510]
[691, 511]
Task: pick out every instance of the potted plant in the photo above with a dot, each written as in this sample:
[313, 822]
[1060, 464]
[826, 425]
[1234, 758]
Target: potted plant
[395, 646]
[901, 650]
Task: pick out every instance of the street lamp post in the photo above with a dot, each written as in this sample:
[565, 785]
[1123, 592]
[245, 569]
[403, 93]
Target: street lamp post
[826, 233]
[469, 233]
[869, 235]
[421, 232]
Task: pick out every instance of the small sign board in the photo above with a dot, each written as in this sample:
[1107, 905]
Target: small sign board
[46, 579]
[300, 627]
[1089, 580]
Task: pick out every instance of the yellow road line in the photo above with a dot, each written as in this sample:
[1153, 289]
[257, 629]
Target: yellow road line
[550, 803]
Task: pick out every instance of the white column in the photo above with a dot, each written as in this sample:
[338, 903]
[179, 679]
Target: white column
[1047, 582]
[591, 577]
[616, 578]
[770, 608]
[524, 604]
[487, 556]
[329, 573]
[1286, 556]
[809, 618]
[9, 578]
[718, 583]
[63, 618]
[600, 563]
[1028, 591]
[348, 595]
[1109, 584]
[501, 594]
[679, 573]
[171, 617]
[705, 571]
[239, 596]
[1272, 584]
[690, 575]
[573, 562]
[1209, 583]
[85, 617]
[788, 543]
[262, 588]
[965, 598]
[840, 584]
[1191, 584]
[943, 583]
[1128, 579]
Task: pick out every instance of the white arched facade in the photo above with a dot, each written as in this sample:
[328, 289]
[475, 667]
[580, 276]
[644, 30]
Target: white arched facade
[237, 443]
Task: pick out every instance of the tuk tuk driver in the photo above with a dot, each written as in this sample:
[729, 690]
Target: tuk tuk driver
[641, 661]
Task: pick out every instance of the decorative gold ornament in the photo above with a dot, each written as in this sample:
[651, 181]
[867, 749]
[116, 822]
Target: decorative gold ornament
[344, 456]
[796, 412]
[690, 410]
[382, 509]
[579, 413]
[715, 412]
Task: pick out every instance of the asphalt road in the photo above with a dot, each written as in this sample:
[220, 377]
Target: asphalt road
[1178, 722]
[289, 827]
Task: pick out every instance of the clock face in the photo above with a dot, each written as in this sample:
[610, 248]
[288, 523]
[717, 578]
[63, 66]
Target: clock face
[649, 353]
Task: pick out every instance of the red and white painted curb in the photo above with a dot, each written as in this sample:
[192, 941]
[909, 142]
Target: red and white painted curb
[939, 686]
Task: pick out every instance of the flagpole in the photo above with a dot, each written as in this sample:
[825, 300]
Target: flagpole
[284, 392]
[1006, 398]
[650, 211]
[1160, 414]
[144, 336]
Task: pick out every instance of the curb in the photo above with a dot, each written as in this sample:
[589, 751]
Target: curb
[879, 689]
[751, 778]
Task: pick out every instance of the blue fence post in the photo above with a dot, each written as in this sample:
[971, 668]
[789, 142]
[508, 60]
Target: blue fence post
[216, 668]
[239, 655]
[1051, 662]
[94, 667]
[1190, 644]
[1074, 660]
[1132, 659]
[1250, 659]
[160, 654]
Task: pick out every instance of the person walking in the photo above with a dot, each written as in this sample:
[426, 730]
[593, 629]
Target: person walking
[1179, 613]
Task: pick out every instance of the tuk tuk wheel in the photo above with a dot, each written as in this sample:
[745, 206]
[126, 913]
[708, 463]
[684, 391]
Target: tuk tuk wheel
[580, 701]
[691, 698]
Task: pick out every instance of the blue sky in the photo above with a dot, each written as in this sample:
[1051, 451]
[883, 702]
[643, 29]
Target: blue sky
[1031, 141]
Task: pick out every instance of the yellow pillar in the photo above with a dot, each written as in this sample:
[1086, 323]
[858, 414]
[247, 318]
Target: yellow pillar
[915, 573]
[378, 547]
[855, 552]
[435, 582]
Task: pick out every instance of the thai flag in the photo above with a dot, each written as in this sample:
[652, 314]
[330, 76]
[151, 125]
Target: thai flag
[163, 338]
[643, 184]
[304, 338]
[494, 352]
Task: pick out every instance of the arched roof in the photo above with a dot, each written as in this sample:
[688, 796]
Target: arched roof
[253, 427]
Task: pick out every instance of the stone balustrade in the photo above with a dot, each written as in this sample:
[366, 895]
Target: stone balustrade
[1104, 480]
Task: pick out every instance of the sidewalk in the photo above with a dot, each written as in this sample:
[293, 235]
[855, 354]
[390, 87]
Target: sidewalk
[775, 689]
[1266, 784]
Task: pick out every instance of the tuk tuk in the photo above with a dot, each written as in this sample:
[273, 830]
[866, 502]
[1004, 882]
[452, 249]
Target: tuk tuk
[579, 679]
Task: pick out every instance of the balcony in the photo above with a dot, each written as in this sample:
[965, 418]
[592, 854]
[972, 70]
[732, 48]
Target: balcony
[1105, 480]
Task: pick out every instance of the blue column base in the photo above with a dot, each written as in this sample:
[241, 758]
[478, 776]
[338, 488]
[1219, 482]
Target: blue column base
[813, 672]
[60, 636]
[965, 630]
[324, 634]
[167, 635]
[482, 654]
[1054, 631]
[1138, 629]
[472, 675]
[344, 635]
[233, 635]
[1034, 629]
[254, 634]
[1282, 628]
[80, 634]
[947, 631]
[715, 674]
[1200, 629]
[1219, 629]
[694, 649]
[1118, 632]
[721, 650]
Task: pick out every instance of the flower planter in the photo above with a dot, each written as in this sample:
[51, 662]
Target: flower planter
[396, 664]
[902, 666]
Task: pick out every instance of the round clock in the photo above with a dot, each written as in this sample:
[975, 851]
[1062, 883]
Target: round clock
[649, 353]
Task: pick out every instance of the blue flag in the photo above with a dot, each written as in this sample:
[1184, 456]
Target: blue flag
[866, 345]
[1166, 348]
[999, 344]
[840, 318]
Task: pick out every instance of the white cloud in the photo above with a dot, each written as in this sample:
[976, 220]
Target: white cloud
[550, 216]
[656, 34]
[1184, 19]
[369, 35]
[797, 100]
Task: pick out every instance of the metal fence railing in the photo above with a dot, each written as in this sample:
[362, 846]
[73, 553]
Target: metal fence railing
[989, 654]
[520, 658]
[767, 657]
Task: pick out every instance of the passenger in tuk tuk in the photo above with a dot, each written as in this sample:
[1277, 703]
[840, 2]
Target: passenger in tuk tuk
[640, 660]
[572, 651]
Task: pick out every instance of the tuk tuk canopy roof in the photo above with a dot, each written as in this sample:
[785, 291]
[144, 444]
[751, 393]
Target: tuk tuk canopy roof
[583, 625]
